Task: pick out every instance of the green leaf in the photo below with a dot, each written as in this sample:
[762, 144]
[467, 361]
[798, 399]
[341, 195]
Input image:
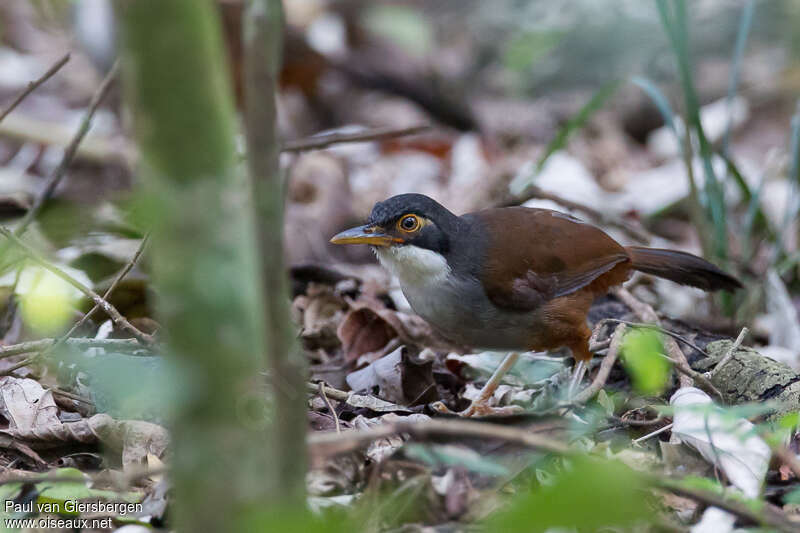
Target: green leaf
[641, 351]
[789, 420]
[591, 495]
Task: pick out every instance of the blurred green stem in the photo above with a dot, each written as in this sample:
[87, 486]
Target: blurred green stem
[263, 35]
[204, 267]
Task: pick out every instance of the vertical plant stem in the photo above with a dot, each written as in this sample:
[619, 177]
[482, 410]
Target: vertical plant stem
[263, 33]
[203, 265]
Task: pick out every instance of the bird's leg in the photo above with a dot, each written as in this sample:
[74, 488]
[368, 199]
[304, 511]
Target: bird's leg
[479, 406]
[577, 376]
[582, 354]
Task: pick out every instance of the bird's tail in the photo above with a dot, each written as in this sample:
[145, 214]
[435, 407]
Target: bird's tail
[683, 268]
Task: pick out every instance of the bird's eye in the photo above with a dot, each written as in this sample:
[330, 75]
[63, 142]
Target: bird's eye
[409, 223]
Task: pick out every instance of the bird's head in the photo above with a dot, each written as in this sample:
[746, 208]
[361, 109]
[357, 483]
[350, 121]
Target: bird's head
[410, 233]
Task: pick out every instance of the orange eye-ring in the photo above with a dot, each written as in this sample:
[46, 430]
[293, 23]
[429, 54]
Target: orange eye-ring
[409, 223]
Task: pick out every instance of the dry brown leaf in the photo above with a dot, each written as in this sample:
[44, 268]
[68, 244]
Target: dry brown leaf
[399, 378]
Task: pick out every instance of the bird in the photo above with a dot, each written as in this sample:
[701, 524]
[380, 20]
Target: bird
[512, 278]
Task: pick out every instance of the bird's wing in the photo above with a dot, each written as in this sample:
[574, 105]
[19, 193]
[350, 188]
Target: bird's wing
[536, 255]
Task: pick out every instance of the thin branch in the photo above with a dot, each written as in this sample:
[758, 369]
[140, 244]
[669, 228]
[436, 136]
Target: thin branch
[128, 478]
[34, 84]
[658, 328]
[728, 355]
[768, 515]
[658, 431]
[317, 142]
[43, 344]
[16, 366]
[330, 407]
[532, 191]
[71, 396]
[122, 273]
[69, 154]
[331, 443]
[116, 316]
[605, 368]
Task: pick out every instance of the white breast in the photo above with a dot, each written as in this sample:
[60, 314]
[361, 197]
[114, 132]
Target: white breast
[413, 266]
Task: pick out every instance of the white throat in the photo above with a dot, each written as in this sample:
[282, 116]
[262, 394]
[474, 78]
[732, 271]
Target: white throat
[413, 266]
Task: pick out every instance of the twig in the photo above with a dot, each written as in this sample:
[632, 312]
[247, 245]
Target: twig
[66, 159]
[71, 396]
[128, 477]
[635, 423]
[331, 443]
[317, 142]
[532, 191]
[653, 433]
[330, 407]
[34, 84]
[116, 317]
[16, 366]
[660, 329]
[728, 355]
[122, 273]
[336, 394]
[43, 344]
[688, 375]
[768, 515]
[605, 368]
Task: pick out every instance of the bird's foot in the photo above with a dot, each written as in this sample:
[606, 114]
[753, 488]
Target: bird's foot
[479, 409]
[480, 406]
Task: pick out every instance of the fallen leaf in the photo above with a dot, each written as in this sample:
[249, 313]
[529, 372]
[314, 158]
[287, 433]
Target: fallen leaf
[399, 379]
[26, 404]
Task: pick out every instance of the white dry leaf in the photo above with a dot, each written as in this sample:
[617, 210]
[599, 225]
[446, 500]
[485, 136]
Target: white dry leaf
[503, 395]
[785, 330]
[318, 504]
[566, 176]
[731, 445]
[26, 404]
[714, 118]
[381, 449]
[714, 520]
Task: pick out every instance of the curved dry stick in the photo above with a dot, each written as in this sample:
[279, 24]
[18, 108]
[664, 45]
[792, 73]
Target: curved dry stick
[34, 84]
[331, 443]
[69, 155]
[43, 344]
[318, 142]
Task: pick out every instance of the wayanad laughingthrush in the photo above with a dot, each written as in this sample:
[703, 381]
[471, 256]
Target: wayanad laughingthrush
[512, 278]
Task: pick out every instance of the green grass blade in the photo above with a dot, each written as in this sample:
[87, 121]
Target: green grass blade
[660, 101]
[675, 22]
[745, 23]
